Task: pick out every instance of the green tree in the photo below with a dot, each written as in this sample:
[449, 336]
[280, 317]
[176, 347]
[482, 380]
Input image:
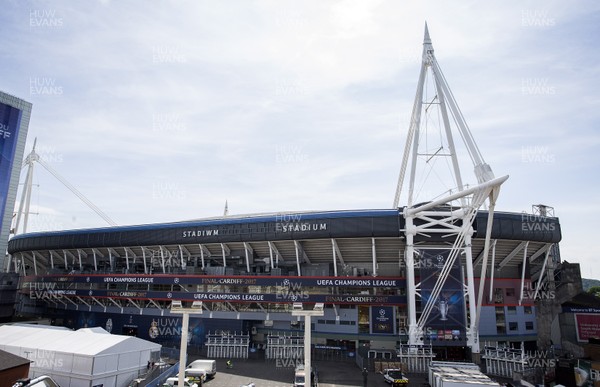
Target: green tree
[595, 290]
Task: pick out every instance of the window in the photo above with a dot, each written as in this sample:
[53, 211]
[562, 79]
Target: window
[513, 326]
[498, 296]
[500, 321]
[510, 292]
[511, 310]
[529, 325]
[528, 310]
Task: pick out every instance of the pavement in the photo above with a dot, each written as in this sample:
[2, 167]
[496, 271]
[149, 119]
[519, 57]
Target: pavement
[268, 374]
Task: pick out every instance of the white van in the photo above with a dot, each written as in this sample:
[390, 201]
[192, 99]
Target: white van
[203, 366]
[174, 381]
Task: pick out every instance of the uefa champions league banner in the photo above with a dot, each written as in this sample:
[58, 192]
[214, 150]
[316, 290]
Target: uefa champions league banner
[10, 121]
[447, 319]
[383, 319]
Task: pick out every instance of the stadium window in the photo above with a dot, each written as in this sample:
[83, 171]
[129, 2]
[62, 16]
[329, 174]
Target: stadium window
[528, 310]
[513, 326]
[510, 292]
[511, 310]
[529, 325]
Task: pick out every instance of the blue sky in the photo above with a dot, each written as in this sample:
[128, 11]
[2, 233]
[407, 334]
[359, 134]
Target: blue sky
[161, 111]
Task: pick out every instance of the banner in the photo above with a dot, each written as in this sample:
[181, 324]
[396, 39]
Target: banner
[10, 121]
[49, 294]
[160, 279]
[587, 326]
[446, 321]
[383, 319]
[161, 329]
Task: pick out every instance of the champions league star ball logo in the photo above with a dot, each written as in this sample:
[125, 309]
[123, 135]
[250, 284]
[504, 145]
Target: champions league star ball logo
[153, 331]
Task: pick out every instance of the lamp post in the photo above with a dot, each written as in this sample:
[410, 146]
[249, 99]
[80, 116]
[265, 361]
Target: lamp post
[177, 307]
[298, 310]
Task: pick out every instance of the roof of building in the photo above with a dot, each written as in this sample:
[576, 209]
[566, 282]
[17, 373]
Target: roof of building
[583, 299]
[87, 342]
[9, 360]
[277, 227]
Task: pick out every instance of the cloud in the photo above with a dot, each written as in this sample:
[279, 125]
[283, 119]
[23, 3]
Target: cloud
[167, 110]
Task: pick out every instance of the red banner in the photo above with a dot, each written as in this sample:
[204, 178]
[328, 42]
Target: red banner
[588, 326]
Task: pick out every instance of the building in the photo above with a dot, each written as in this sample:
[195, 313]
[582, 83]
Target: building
[248, 271]
[14, 123]
[85, 357]
[13, 367]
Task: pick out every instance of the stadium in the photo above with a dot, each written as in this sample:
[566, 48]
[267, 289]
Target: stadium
[434, 279]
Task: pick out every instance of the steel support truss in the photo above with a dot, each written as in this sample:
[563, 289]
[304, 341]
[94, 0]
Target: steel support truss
[450, 217]
[456, 226]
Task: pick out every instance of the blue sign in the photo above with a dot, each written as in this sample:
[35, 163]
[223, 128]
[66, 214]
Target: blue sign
[10, 121]
[382, 319]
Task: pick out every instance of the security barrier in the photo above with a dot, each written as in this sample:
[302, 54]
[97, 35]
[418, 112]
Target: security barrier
[225, 345]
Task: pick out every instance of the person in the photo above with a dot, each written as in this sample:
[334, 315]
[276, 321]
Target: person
[365, 373]
[229, 363]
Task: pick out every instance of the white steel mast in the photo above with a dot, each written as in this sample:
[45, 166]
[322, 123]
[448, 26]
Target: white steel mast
[24, 204]
[451, 216]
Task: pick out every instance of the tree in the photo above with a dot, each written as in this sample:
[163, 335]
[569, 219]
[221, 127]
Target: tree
[594, 290]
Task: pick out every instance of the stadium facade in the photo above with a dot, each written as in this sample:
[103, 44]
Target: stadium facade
[248, 270]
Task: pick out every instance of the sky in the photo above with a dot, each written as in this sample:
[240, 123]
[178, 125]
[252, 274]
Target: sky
[161, 111]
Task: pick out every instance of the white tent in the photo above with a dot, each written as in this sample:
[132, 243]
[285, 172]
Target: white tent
[83, 358]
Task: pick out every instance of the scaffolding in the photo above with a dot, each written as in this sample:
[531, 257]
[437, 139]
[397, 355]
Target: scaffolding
[224, 345]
